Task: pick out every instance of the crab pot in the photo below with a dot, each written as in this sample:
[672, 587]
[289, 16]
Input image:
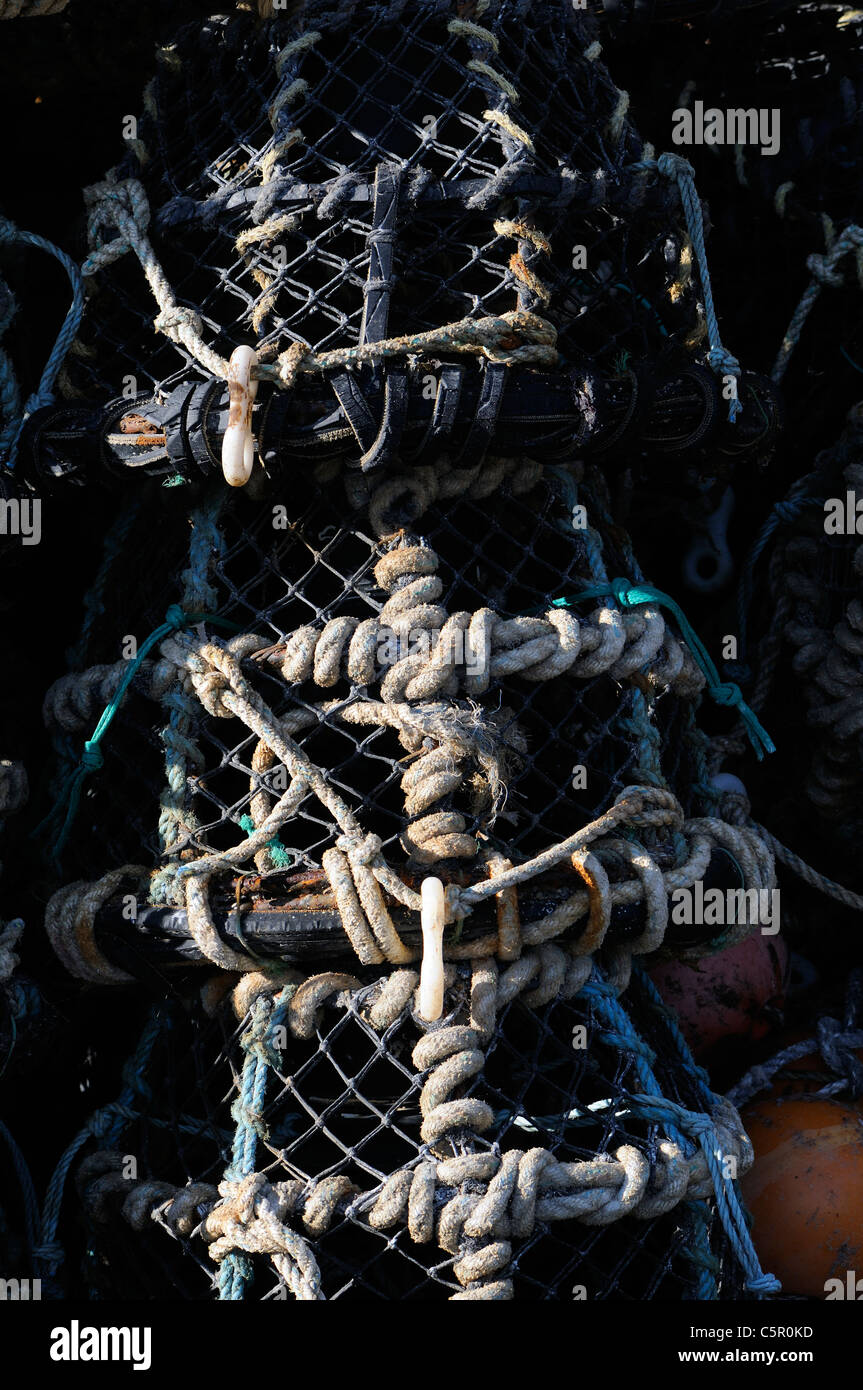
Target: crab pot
[409, 641]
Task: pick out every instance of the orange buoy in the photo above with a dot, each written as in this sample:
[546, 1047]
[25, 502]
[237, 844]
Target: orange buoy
[805, 1191]
[727, 995]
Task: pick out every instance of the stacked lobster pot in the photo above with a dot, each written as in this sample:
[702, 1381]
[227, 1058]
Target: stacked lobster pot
[381, 789]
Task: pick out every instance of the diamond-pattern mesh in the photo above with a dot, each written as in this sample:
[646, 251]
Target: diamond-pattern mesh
[347, 1104]
[398, 93]
[513, 554]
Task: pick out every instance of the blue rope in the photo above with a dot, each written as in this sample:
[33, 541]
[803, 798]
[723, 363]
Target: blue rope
[622, 1034]
[702, 1128]
[247, 1110]
[723, 692]
[682, 1124]
[91, 759]
[10, 395]
[699, 1253]
[824, 272]
[44, 393]
[681, 172]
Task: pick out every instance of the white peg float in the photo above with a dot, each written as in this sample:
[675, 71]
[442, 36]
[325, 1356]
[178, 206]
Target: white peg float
[238, 446]
[432, 914]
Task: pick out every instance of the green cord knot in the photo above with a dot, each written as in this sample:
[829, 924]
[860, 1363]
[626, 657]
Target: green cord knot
[727, 693]
[176, 618]
[282, 858]
[91, 759]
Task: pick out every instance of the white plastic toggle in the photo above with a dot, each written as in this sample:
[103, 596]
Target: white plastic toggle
[238, 446]
[432, 914]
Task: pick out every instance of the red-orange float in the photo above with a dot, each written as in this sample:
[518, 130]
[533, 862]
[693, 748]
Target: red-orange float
[735, 993]
[805, 1190]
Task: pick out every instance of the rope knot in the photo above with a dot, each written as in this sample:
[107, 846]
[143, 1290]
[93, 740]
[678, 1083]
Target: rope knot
[823, 271]
[176, 617]
[360, 849]
[727, 693]
[209, 687]
[177, 319]
[91, 757]
[723, 361]
[764, 1283]
[290, 362]
[674, 166]
[624, 594]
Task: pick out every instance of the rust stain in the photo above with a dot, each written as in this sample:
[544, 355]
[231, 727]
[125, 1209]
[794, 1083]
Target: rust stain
[137, 424]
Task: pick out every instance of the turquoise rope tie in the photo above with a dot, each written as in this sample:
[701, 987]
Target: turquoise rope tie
[91, 759]
[723, 692]
[282, 858]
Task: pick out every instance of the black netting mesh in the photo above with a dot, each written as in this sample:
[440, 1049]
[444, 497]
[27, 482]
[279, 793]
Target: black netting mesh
[346, 1105]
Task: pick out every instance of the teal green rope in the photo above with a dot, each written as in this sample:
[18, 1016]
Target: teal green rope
[282, 858]
[91, 759]
[723, 692]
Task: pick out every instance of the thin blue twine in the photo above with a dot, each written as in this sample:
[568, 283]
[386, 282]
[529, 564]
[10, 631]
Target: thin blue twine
[723, 692]
[44, 393]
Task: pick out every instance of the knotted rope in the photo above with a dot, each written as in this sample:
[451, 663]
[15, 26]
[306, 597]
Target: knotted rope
[723, 692]
[681, 172]
[472, 1200]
